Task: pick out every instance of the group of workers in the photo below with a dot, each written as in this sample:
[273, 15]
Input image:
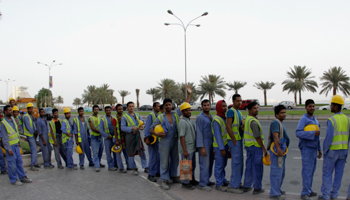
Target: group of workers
[171, 137]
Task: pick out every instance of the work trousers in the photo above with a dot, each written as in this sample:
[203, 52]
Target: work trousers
[69, 150]
[254, 167]
[45, 151]
[108, 148]
[220, 164]
[308, 160]
[169, 158]
[97, 150]
[236, 163]
[276, 174]
[33, 150]
[85, 147]
[2, 162]
[206, 162]
[15, 164]
[60, 151]
[132, 163]
[154, 160]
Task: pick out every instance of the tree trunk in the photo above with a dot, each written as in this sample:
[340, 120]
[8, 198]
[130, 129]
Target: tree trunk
[123, 100]
[236, 91]
[265, 97]
[295, 98]
[299, 97]
[334, 90]
[210, 99]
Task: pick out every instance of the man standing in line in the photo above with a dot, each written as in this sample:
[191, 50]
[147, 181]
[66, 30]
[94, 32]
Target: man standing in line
[81, 127]
[31, 132]
[335, 150]
[204, 142]
[153, 150]
[254, 145]
[67, 138]
[120, 140]
[43, 132]
[96, 140]
[2, 158]
[12, 102]
[309, 145]
[234, 127]
[55, 138]
[18, 119]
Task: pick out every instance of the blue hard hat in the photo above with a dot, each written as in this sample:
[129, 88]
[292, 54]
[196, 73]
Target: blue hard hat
[24, 112]
[20, 111]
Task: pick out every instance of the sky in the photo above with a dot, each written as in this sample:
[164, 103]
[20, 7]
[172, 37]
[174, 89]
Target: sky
[126, 44]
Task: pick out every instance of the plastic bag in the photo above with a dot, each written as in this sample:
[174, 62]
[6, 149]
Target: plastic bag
[186, 170]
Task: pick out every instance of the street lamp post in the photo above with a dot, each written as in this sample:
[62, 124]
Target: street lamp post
[7, 85]
[185, 29]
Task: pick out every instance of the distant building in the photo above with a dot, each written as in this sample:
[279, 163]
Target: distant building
[19, 92]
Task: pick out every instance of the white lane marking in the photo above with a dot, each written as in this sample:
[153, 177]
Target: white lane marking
[299, 158]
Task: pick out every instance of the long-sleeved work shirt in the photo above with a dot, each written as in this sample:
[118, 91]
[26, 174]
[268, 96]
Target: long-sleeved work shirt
[110, 128]
[124, 124]
[64, 127]
[42, 128]
[308, 138]
[187, 129]
[27, 124]
[4, 136]
[170, 129]
[83, 128]
[149, 123]
[217, 133]
[203, 129]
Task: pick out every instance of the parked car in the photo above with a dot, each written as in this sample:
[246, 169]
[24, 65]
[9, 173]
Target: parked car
[174, 106]
[245, 103]
[213, 106]
[48, 113]
[87, 109]
[124, 106]
[287, 104]
[346, 106]
[196, 106]
[113, 108]
[145, 107]
[327, 107]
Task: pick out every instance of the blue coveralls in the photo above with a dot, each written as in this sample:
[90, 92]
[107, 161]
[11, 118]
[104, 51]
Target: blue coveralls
[168, 147]
[46, 150]
[127, 129]
[334, 161]
[118, 157]
[85, 146]
[59, 150]
[108, 142]
[14, 163]
[31, 140]
[204, 138]
[277, 174]
[309, 145]
[236, 154]
[97, 148]
[153, 150]
[69, 144]
[220, 161]
[2, 159]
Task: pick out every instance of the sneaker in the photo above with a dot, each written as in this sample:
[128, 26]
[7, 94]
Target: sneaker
[26, 180]
[37, 166]
[234, 190]
[283, 192]
[247, 189]
[123, 171]
[313, 194]
[82, 167]
[176, 179]
[258, 191]
[188, 186]
[116, 165]
[97, 169]
[305, 197]
[17, 183]
[91, 165]
[52, 166]
[205, 188]
[102, 166]
[33, 168]
[279, 197]
[165, 185]
[3, 172]
[60, 167]
[194, 182]
[227, 183]
[112, 169]
[135, 172]
[75, 165]
[211, 183]
[151, 178]
[146, 170]
[221, 188]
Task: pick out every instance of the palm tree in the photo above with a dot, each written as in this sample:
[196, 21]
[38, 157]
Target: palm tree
[77, 102]
[137, 97]
[103, 94]
[89, 95]
[123, 93]
[264, 86]
[335, 79]
[112, 99]
[292, 86]
[167, 88]
[180, 97]
[59, 100]
[302, 75]
[211, 85]
[155, 94]
[236, 85]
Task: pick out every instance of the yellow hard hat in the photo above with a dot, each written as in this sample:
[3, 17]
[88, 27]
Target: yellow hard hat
[78, 150]
[273, 144]
[338, 99]
[20, 150]
[3, 151]
[140, 122]
[266, 160]
[66, 110]
[159, 129]
[30, 105]
[116, 148]
[12, 99]
[152, 139]
[311, 127]
[184, 106]
[15, 108]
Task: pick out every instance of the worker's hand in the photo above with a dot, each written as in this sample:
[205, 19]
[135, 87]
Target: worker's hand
[319, 154]
[265, 152]
[189, 91]
[19, 144]
[147, 141]
[11, 153]
[142, 127]
[109, 137]
[117, 142]
[44, 142]
[135, 128]
[55, 144]
[234, 141]
[160, 134]
[70, 135]
[223, 153]
[185, 154]
[203, 152]
[279, 153]
[317, 133]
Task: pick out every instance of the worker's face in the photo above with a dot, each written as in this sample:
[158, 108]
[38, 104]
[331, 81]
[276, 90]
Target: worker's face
[96, 111]
[8, 113]
[186, 112]
[206, 107]
[12, 103]
[81, 112]
[281, 115]
[156, 108]
[120, 110]
[30, 110]
[68, 114]
[108, 112]
[42, 113]
[224, 106]
[131, 107]
[334, 108]
[55, 115]
[15, 113]
[237, 102]
[310, 109]
[168, 106]
[255, 110]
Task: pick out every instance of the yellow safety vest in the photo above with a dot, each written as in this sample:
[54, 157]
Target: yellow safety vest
[12, 134]
[235, 125]
[65, 137]
[224, 133]
[26, 131]
[96, 122]
[161, 118]
[53, 127]
[129, 120]
[105, 125]
[341, 132]
[77, 122]
[249, 139]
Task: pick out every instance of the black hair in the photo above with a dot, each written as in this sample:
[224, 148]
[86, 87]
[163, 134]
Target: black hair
[118, 105]
[41, 109]
[95, 106]
[279, 108]
[205, 101]
[251, 105]
[54, 110]
[80, 108]
[107, 107]
[161, 107]
[6, 107]
[130, 102]
[309, 101]
[166, 100]
[339, 106]
[155, 104]
[235, 96]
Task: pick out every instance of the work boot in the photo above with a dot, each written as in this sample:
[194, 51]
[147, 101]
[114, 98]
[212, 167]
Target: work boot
[176, 179]
[211, 183]
[221, 188]
[313, 194]
[82, 167]
[227, 183]
[91, 165]
[72, 168]
[247, 189]
[123, 171]
[194, 182]
[26, 180]
[135, 172]
[17, 183]
[60, 167]
[3, 172]
[52, 166]
[205, 188]
[283, 192]
[129, 169]
[151, 178]
[320, 196]
[33, 168]
[305, 197]
[279, 197]
[165, 185]
[97, 169]
[146, 170]
[75, 165]
[234, 190]
[37, 166]
[116, 166]
[188, 186]
[102, 166]
[112, 169]
[258, 191]
[157, 174]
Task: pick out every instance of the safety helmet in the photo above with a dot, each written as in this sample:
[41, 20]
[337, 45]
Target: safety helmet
[338, 99]
[20, 150]
[12, 99]
[78, 150]
[273, 150]
[15, 108]
[3, 151]
[30, 105]
[266, 160]
[159, 129]
[184, 106]
[311, 127]
[116, 148]
[152, 139]
[140, 122]
[66, 110]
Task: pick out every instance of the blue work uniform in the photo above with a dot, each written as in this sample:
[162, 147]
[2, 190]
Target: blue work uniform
[168, 147]
[31, 140]
[85, 145]
[69, 144]
[220, 161]
[15, 162]
[2, 159]
[119, 159]
[276, 173]
[153, 150]
[204, 138]
[96, 146]
[59, 150]
[334, 161]
[108, 142]
[127, 129]
[45, 149]
[309, 145]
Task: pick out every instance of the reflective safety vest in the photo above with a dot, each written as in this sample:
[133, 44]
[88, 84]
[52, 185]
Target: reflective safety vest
[77, 122]
[53, 127]
[26, 131]
[96, 122]
[65, 137]
[341, 132]
[105, 125]
[235, 125]
[154, 117]
[161, 119]
[224, 133]
[12, 134]
[249, 139]
[129, 120]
